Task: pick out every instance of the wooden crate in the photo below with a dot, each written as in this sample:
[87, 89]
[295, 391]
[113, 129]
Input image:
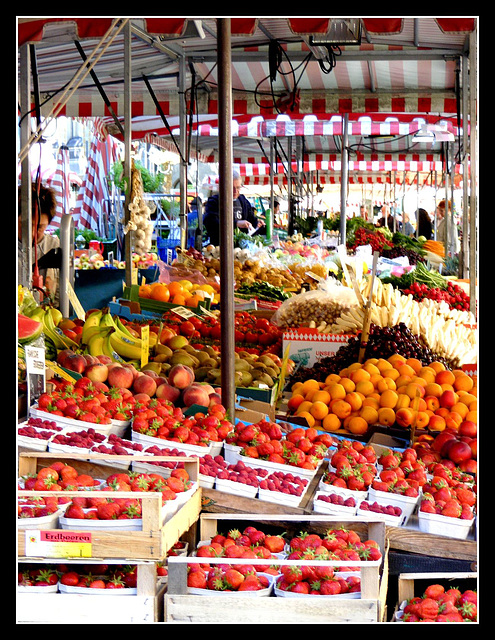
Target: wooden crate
[408, 582]
[94, 608]
[369, 608]
[155, 538]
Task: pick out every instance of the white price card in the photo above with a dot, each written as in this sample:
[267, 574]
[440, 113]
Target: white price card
[58, 543]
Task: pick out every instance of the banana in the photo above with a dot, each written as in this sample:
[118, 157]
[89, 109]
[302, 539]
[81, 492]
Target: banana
[107, 320]
[93, 320]
[108, 349]
[128, 349]
[56, 335]
[96, 342]
[121, 326]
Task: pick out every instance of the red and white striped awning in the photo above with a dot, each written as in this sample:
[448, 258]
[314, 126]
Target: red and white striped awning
[263, 169]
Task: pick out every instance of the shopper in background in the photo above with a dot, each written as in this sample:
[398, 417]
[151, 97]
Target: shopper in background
[41, 217]
[387, 219]
[244, 217]
[442, 228]
[425, 226]
[407, 229]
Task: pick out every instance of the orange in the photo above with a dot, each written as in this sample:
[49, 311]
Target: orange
[386, 416]
[175, 287]
[319, 410]
[357, 425]
[341, 408]
[160, 293]
[309, 418]
[331, 422]
[389, 398]
[179, 299]
[194, 300]
[295, 388]
[370, 414]
[144, 291]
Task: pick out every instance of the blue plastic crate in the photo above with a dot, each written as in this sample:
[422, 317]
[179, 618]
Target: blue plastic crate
[166, 249]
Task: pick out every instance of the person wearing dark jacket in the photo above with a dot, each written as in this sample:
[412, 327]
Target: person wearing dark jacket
[425, 226]
[244, 216]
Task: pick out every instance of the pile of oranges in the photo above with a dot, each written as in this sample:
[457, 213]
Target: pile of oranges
[182, 292]
[396, 391]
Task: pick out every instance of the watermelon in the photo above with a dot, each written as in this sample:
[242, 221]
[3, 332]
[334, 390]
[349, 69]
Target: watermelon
[28, 329]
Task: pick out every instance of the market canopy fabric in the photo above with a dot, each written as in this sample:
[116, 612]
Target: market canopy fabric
[399, 65]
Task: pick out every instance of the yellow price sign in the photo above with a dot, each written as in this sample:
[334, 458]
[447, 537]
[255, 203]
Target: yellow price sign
[145, 344]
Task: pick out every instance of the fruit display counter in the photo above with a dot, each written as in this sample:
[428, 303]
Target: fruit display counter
[379, 431]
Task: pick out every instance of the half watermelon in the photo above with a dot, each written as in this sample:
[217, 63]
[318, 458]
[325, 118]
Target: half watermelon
[28, 329]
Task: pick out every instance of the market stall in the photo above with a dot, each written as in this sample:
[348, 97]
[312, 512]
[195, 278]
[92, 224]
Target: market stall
[287, 423]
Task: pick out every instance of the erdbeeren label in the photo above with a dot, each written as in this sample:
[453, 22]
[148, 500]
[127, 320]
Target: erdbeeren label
[65, 536]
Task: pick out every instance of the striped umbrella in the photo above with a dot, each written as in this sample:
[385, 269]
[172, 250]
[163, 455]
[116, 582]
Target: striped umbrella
[60, 182]
[92, 205]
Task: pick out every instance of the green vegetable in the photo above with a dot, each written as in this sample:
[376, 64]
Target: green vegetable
[263, 291]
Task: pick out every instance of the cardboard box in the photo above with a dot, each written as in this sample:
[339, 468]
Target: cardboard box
[308, 346]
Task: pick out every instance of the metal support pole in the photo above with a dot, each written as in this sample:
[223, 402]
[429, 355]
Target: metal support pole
[269, 232]
[473, 200]
[344, 176]
[67, 266]
[226, 210]
[290, 196]
[466, 263]
[183, 147]
[25, 264]
[127, 144]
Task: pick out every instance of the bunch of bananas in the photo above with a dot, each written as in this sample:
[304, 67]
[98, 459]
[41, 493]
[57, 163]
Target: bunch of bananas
[55, 339]
[105, 335]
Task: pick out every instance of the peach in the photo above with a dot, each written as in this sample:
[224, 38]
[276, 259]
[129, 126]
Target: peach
[167, 392]
[195, 393]
[63, 355]
[448, 399]
[180, 376]
[120, 376]
[432, 402]
[105, 359]
[132, 369]
[436, 423]
[422, 419]
[75, 362]
[404, 417]
[445, 377]
[89, 358]
[214, 398]
[403, 401]
[144, 383]
[97, 372]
